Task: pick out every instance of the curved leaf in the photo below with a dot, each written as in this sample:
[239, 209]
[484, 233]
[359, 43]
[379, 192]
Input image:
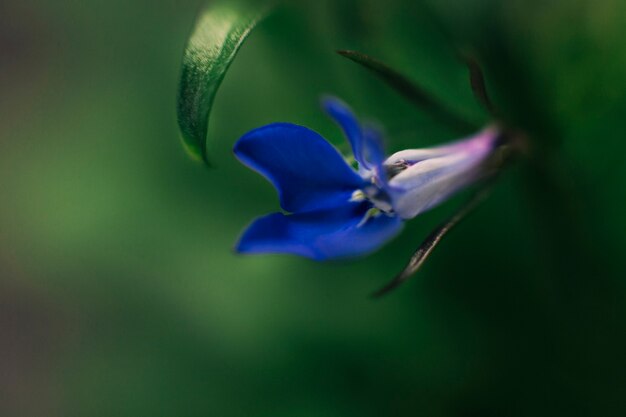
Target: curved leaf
[220, 31]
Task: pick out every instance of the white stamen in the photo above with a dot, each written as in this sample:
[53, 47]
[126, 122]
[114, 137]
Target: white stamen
[357, 196]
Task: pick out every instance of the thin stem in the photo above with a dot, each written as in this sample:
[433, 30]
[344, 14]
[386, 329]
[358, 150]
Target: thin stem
[435, 237]
[477, 82]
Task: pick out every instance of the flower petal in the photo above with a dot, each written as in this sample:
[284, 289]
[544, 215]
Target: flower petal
[483, 140]
[366, 142]
[432, 180]
[374, 149]
[428, 183]
[320, 235]
[307, 171]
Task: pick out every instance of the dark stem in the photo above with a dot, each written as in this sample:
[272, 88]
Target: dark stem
[411, 91]
[429, 244]
[477, 82]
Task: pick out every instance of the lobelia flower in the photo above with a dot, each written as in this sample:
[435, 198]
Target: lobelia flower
[336, 211]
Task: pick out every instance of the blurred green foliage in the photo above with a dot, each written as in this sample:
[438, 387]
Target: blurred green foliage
[121, 295]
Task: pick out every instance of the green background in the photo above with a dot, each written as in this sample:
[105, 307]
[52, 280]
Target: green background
[119, 291]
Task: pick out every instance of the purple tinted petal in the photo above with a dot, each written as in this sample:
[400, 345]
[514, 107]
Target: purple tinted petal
[483, 140]
[430, 188]
[433, 179]
[307, 171]
[321, 235]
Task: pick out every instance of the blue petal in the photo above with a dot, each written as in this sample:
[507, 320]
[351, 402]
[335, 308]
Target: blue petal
[373, 149]
[345, 118]
[322, 235]
[366, 142]
[307, 171]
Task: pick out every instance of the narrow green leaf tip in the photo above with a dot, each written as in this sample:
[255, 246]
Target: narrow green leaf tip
[219, 33]
[410, 91]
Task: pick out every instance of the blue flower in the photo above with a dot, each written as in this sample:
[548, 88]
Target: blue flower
[336, 211]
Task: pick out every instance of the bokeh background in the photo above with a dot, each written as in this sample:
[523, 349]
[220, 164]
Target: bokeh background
[119, 291]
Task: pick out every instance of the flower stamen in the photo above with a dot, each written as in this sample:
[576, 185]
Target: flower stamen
[369, 214]
[358, 196]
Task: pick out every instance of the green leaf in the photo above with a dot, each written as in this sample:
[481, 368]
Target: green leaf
[411, 91]
[220, 31]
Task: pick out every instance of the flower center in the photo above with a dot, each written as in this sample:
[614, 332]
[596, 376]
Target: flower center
[397, 167]
[377, 197]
